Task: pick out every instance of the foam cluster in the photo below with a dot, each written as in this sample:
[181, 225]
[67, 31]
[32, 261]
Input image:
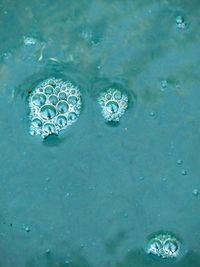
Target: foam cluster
[164, 246]
[113, 104]
[54, 105]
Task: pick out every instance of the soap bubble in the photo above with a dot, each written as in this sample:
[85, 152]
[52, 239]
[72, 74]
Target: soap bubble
[54, 105]
[113, 104]
[164, 246]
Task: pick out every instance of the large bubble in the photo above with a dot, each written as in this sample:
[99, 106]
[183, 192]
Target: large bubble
[54, 105]
[113, 104]
[164, 246]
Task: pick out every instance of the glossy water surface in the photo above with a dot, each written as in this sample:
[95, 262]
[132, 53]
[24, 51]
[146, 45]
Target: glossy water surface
[92, 196]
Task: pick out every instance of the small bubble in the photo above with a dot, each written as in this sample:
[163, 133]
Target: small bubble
[49, 129]
[184, 172]
[72, 116]
[179, 161]
[36, 123]
[152, 113]
[47, 112]
[62, 96]
[62, 107]
[26, 228]
[38, 99]
[28, 41]
[180, 22]
[48, 251]
[53, 99]
[195, 192]
[163, 85]
[170, 247]
[48, 90]
[61, 121]
[112, 107]
[72, 100]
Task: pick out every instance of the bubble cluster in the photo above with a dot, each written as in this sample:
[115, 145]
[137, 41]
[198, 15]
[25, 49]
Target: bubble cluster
[54, 105]
[113, 104]
[164, 246]
[180, 22]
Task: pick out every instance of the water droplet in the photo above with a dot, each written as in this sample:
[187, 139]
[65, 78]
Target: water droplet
[47, 112]
[38, 99]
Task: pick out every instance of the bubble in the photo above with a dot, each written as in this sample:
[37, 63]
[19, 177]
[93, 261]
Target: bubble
[179, 161]
[170, 247]
[112, 107]
[72, 117]
[29, 41]
[48, 90]
[47, 112]
[61, 121]
[163, 85]
[62, 107]
[117, 95]
[53, 99]
[38, 99]
[72, 100]
[195, 192]
[113, 104]
[48, 129]
[180, 22]
[184, 172]
[36, 123]
[164, 246]
[62, 96]
[50, 111]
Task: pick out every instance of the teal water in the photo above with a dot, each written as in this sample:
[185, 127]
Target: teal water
[92, 196]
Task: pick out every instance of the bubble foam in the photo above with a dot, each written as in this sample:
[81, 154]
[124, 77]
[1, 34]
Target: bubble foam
[164, 246]
[113, 104]
[52, 104]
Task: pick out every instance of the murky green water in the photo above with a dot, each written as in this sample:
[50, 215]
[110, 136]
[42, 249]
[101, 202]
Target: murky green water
[92, 196]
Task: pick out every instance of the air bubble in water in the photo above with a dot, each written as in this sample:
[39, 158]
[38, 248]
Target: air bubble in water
[164, 246]
[47, 112]
[38, 99]
[62, 107]
[54, 105]
[180, 22]
[113, 104]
